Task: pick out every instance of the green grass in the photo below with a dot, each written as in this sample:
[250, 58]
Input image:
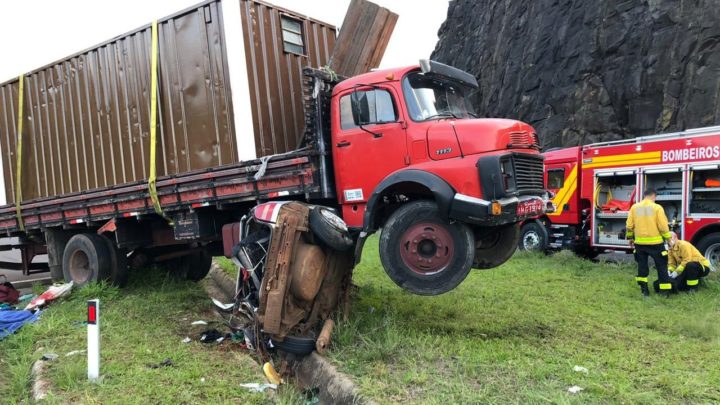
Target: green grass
[513, 335]
[141, 324]
[227, 266]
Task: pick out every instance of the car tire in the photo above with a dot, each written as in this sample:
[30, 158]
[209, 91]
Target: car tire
[533, 237]
[423, 252]
[86, 259]
[299, 346]
[330, 229]
[496, 246]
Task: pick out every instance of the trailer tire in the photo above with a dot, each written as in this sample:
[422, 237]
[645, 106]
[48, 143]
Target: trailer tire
[198, 265]
[423, 252]
[86, 259]
[533, 237]
[709, 246]
[118, 263]
[330, 229]
[496, 247]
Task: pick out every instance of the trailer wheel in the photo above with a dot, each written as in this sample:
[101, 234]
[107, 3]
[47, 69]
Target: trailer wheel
[118, 263]
[496, 246]
[533, 237]
[86, 259]
[423, 252]
[709, 246]
[330, 229]
[198, 265]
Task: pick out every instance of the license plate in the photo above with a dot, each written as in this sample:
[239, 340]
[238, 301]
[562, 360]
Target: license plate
[529, 207]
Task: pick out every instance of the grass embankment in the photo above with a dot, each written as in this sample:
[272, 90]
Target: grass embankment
[514, 334]
[142, 324]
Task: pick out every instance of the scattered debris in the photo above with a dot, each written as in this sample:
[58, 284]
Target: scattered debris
[580, 369]
[211, 335]
[221, 306]
[202, 380]
[575, 389]
[164, 363]
[258, 387]
[271, 374]
[49, 357]
[52, 293]
[187, 340]
[199, 323]
[74, 352]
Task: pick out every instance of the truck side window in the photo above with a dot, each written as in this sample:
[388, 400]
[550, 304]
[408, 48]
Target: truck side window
[555, 178]
[367, 107]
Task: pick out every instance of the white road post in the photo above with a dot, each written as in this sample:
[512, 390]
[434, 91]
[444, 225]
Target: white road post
[93, 341]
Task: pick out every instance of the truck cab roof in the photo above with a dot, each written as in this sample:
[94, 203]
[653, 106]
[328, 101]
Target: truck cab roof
[374, 77]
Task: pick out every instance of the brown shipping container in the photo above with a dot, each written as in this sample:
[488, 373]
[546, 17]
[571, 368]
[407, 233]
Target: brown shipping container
[86, 118]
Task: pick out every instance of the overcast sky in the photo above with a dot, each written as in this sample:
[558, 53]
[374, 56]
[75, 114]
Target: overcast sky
[43, 31]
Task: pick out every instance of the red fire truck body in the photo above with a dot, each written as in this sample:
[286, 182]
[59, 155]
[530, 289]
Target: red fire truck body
[596, 184]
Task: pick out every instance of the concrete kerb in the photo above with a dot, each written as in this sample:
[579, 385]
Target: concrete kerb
[310, 372]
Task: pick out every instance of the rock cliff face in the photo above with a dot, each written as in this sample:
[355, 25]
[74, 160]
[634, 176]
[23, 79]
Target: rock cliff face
[583, 71]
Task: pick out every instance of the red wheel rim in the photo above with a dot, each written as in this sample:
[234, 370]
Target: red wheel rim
[426, 248]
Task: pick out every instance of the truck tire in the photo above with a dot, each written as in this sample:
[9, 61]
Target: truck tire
[496, 247]
[198, 265]
[118, 263]
[330, 229]
[533, 237]
[86, 259]
[709, 246]
[423, 252]
[297, 345]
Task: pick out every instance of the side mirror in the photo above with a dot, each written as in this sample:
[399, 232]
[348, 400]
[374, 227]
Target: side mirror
[372, 107]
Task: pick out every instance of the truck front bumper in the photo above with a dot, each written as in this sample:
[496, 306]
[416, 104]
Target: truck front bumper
[510, 210]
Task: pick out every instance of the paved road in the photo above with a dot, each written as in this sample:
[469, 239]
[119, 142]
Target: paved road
[15, 276]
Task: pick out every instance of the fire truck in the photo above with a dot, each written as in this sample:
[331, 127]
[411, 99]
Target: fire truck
[596, 184]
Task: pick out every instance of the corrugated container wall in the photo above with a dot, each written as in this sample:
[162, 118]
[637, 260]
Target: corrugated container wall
[274, 63]
[86, 117]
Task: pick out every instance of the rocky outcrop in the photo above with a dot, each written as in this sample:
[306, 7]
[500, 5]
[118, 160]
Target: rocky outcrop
[583, 71]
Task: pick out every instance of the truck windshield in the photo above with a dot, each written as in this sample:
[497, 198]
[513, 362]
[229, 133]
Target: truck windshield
[432, 97]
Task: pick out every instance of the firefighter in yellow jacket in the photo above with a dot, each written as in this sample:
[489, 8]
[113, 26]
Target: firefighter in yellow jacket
[647, 230]
[686, 264]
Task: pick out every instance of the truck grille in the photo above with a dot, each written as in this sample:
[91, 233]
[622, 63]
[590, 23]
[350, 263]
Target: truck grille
[529, 173]
[524, 139]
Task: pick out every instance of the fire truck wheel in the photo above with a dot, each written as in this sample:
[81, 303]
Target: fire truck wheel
[118, 263]
[86, 259]
[709, 246]
[533, 237]
[199, 265]
[330, 229]
[496, 246]
[423, 252]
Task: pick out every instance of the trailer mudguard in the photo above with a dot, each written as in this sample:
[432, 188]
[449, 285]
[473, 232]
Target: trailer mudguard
[441, 191]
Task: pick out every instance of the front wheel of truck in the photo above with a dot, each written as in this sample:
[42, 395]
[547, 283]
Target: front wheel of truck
[423, 252]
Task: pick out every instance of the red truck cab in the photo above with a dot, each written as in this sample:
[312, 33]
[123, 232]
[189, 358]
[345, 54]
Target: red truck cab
[410, 135]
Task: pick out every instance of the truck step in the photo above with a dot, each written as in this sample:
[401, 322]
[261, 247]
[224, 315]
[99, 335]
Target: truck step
[558, 235]
[555, 245]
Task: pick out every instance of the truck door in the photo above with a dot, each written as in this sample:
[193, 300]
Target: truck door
[562, 179]
[369, 143]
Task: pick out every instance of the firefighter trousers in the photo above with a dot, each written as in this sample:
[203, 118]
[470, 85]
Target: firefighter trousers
[659, 256]
[690, 277]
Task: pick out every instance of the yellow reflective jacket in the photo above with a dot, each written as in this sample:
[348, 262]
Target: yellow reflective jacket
[647, 223]
[683, 253]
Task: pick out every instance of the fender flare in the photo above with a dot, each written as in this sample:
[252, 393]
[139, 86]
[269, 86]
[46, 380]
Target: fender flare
[442, 192]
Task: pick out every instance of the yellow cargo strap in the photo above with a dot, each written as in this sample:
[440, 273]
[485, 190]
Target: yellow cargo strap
[152, 188]
[18, 156]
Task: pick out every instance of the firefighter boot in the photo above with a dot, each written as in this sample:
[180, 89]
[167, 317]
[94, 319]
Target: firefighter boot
[644, 289]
